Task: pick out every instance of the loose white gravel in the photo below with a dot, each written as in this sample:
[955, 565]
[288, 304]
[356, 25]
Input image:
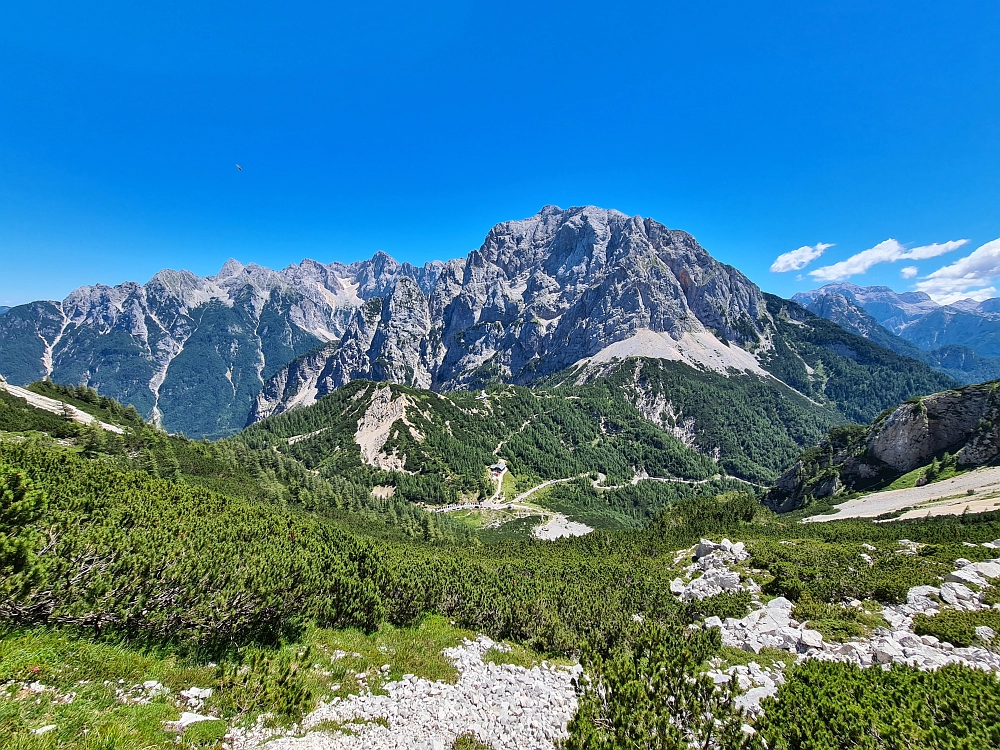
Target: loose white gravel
[505, 706]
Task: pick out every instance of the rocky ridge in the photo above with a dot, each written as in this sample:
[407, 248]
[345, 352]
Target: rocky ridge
[540, 295]
[961, 339]
[182, 341]
[582, 288]
[963, 422]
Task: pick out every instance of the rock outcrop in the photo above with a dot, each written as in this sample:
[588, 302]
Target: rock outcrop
[963, 422]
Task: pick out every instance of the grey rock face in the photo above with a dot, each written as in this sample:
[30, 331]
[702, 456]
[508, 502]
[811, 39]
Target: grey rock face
[915, 432]
[193, 352]
[541, 295]
[964, 422]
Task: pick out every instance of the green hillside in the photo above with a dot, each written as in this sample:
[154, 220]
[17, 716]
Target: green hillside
[176, 575]
[249, 564]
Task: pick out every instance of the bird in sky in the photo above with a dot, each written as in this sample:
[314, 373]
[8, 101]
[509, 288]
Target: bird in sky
[239, 167]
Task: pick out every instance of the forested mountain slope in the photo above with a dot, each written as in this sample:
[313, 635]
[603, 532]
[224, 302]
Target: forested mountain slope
[436, 448]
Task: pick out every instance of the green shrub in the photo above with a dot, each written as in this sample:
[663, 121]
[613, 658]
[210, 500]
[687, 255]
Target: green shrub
[834, 706]
[266, 682]
[835, 621]
[956, 627]
[648, 694]
[469, 741]
[722, 605]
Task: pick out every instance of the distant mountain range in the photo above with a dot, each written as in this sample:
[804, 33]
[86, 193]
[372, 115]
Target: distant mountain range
[961, 339]
[574, 291]
[3, 309]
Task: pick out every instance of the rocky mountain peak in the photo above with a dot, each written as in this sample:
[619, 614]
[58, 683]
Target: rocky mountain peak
[582, 286]
[559, 288]
[230, 268]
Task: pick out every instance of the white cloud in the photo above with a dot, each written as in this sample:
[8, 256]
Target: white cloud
[795, 260]
[968, 277]
[909, 272]
[888, 251]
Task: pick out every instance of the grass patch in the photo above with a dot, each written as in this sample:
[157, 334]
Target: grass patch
[508, 488]
[469, 741]
[768, 657]
[92, 692]
[838, 622]
[346, 661]
[205, 734]
[522, 656]
[947, 469]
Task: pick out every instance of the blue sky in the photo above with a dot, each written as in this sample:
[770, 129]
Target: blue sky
[761, 128]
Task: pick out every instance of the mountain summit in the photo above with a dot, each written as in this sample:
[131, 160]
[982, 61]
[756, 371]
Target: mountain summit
[566, 288]
[540, 295]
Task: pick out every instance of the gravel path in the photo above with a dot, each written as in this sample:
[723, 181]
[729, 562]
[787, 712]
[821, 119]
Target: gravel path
[949, 497]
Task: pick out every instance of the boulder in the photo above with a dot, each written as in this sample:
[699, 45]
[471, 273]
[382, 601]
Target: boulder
[988, 569]
[956, 594]
[705, 548]
[811, 638]
[965, 576]
[985, 633]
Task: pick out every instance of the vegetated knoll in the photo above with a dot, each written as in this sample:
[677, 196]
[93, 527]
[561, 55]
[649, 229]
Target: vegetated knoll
[950, 430]
[436, 448]
[230, 468]
[752, 425]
